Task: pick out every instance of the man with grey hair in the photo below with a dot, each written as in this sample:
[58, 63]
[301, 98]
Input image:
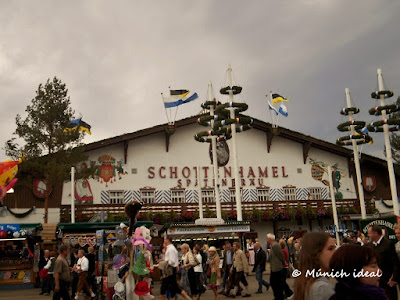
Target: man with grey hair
[277, 261]
[259, 267]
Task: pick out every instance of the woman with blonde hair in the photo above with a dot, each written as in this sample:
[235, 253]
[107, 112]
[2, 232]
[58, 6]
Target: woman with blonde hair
[188, 282]
[213, 264]
[316, 252]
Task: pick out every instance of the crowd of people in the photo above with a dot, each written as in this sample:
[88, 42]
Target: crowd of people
[58, 274]
[361, 268]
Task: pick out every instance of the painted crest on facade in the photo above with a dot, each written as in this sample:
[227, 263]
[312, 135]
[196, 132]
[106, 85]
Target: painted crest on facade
[222, 153]
[40, 187]
[319, 171]
[369, 183]
[108, 169]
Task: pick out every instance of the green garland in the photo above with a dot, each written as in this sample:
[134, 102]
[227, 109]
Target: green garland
[346, 125]
[361, 139]
[377, 111]
[345, 111]
[23, 215]
[209, 104]
[378, 125]
[239, 107]
[386, 94]
[235, 90]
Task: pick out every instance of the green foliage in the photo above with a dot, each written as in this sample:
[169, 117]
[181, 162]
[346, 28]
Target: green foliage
[49, 151]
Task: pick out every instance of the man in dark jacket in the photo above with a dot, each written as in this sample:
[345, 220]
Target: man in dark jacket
[259, 267]
[388, 261]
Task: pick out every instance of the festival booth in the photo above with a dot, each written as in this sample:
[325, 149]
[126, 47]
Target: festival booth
[19, 258]
[213, 232]
[114, 247]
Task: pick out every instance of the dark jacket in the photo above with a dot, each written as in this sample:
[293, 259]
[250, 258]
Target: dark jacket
[362, 292]
[261, 260]
[388, 261]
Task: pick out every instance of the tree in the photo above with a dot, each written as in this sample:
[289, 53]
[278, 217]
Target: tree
[48, 150]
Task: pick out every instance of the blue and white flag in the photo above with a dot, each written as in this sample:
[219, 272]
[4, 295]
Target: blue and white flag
[178, 97]
[283, 110]
[273, 108]
[364, 130]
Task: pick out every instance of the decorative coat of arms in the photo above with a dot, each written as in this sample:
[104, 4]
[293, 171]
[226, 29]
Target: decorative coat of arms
[40, 188]
[109, 169]
[369, 183]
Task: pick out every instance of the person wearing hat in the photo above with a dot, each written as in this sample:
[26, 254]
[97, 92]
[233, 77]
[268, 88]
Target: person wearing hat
[169, 282]
[239, 267]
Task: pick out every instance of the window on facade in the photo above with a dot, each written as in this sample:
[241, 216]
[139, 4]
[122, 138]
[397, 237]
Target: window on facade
[232, 195]
[289, 193]
[116, 197]
[263, 194]
[207, 196]
[177, 196]
[148, 196]
[315, 193]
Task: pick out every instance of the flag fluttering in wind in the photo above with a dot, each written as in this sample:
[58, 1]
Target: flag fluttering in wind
[178, 97]
[283, 110]
[272, 108]
[78, 124]
[276, 98]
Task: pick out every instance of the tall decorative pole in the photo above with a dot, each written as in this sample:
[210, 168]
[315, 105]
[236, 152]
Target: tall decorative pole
[72, 195]
[334, 210]
[383, 125]
[214, 154]
[211, 136]
[234, 152]
[199, 192]
[231, 111]
[357, 137]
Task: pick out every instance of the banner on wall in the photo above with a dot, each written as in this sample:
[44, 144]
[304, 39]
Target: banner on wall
[385, 223]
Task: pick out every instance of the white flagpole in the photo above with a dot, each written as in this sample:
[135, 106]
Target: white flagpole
[200, 193]
[389, 157]
[214, 154]
[272, 120]
[72, 195]
[234, 148]
[356, 160]
[334, 210]
[162, 96]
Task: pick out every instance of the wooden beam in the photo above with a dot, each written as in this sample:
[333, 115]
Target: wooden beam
[350, 165]
[306, 149]
[167, 136]
[270, 135]
[126, 144]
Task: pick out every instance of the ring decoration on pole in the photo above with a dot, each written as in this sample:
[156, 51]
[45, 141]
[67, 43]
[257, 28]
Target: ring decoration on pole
[394, 125]
[205, 120]
[235, 89]
[360, 137]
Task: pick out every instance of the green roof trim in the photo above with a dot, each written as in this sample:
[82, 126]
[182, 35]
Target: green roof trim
[29, 225]
[99, 225]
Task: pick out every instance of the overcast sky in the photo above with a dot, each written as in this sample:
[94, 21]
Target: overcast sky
[116, 57]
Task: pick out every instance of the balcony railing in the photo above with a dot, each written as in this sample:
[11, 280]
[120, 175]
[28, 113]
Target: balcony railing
[86, 211]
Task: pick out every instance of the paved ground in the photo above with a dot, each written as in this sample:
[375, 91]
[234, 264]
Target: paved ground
[33, 294]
